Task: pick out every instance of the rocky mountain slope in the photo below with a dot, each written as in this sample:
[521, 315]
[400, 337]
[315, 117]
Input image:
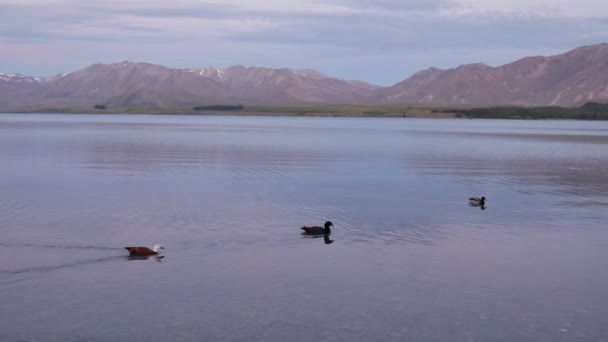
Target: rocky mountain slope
[569, 79]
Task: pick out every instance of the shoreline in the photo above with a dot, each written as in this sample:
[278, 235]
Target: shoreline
[282, 111]
[587, 112]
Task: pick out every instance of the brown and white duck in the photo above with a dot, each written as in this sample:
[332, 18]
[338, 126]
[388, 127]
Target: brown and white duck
[316, 230]
[477, 202]
[144, 251]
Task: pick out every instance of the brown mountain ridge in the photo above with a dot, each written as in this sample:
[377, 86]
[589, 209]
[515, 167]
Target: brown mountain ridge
[568, 79]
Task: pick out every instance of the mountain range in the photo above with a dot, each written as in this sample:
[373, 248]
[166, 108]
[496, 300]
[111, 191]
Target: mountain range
[568, 79]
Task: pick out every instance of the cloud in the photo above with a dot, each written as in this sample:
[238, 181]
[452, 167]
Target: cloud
[398, 5]
[554, 8]
[376, 40]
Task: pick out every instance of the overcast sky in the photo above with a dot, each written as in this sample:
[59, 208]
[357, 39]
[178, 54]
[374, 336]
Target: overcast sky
[379, 41]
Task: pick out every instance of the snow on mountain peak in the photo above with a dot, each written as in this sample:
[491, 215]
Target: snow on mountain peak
[212, 72]
[17, 78]
[310, 73]
[125, 64]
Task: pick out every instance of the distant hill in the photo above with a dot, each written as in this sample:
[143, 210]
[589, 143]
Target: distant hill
[569, 79]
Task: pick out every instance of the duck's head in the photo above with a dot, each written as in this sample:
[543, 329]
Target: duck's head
[483, 199]
[328, 224]
[157, 247]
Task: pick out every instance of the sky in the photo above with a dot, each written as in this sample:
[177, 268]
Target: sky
[378, 41]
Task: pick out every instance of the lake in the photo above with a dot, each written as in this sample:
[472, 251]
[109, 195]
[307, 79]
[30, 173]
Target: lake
[226, 196]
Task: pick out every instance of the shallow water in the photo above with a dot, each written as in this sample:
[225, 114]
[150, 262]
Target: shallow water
[226, 196]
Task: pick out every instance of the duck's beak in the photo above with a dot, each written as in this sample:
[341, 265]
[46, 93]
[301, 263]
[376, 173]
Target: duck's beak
[162, 247]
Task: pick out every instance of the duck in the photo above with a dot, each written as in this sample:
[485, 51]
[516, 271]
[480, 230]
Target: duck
[144, 251]
[316, 230]
[477, 202]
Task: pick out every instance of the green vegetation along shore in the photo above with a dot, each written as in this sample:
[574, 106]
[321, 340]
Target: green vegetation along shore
[393, 111]
[589, 111]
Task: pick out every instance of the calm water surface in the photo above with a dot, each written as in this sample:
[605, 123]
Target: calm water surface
[226, 196]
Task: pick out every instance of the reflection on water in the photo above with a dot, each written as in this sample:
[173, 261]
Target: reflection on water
[410, 259]
[25, 245]
[325, 237]
[158, 258]
[40, 269]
